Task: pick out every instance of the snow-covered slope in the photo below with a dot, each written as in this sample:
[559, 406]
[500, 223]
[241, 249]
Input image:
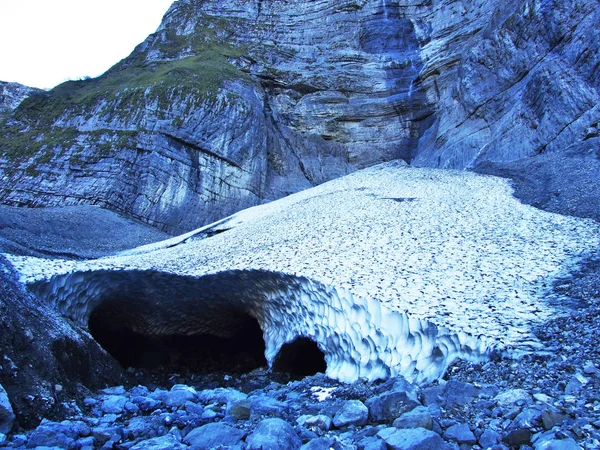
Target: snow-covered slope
[448, 248]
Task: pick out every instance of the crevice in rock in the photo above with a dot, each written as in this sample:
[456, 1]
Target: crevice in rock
[301, 357]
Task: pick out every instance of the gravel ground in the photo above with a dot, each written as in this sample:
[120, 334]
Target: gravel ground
[80, 232]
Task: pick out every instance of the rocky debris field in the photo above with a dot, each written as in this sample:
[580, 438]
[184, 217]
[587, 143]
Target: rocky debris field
[554, 412]
[73, 231]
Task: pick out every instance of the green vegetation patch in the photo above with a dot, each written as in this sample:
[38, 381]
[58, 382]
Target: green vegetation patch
[125, 89]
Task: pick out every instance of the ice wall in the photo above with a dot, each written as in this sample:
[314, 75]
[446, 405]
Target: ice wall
[360, 337]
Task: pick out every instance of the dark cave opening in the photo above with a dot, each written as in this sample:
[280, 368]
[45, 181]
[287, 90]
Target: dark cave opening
[241, 352]
[301, 357]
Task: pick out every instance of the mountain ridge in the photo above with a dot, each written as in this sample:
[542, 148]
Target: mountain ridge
[231, 104]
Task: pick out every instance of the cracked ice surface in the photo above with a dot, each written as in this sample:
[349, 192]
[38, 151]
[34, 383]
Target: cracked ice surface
[453, 248]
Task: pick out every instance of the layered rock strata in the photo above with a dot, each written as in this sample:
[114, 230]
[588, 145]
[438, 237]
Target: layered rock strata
[232, 103]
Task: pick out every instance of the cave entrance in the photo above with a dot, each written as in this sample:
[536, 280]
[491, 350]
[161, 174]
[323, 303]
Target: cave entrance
[301, 357]
[241, 351]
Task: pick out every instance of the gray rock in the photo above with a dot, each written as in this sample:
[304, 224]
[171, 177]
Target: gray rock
[223, 396]
[178, 395]
[131, 407]
[240, 409]
[318, 423]
[144, 427]
[518, 437]
[461, 434]
[322, 443]
[146, 404]
[115, 390]
[166, 442]
[573, 386]
[7, 416]
[58, 434]
[457, 393]
[372, 443]
[512, 397]
[549, 441]
[12, 95]
[528, 418]
[360, 83]
[213, 435]
[417, 418]
[412, 439]
[388, 406]
[263, 405]
[273, 434]
[551, 417]
[489, 438]
[105, 432]
[113, 404]
[352, 412]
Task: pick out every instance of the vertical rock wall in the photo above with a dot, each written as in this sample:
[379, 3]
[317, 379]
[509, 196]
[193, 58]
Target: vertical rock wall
[232, 103]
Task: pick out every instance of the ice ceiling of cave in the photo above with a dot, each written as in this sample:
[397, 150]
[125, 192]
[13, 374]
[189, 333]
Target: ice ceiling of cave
[265, 317]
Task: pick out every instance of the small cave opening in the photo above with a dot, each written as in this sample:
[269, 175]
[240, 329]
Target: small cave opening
[301, 357]
[241, 351]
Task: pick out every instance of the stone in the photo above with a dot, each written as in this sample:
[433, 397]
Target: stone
[352, 412]
[512, 397]
[319, 423]
[518, 437]
[240, 409]
[489, 438]
[573, 386]
[388, 406]
[461, 434]
[550, 418]
[146, 404]
[144, 427]
[542, 398]
[178, 395]
[166, 442]
[417, 418]
[528, 418]
[7, 416]
[213, 435]
[224, 396]
[115, 390]
[412, 439]
[431, 395]
[58, 434]
[113, 404]
[263, 405]
[273, 434]
[322, 443]
[104, 433]
[457, 393]
[372, 443]
[550, 441]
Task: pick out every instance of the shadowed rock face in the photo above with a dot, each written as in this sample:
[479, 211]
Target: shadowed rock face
[306, 326]
[41, 350]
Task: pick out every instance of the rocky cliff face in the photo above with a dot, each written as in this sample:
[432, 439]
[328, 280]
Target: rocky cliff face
[11, 96]
[233, 102]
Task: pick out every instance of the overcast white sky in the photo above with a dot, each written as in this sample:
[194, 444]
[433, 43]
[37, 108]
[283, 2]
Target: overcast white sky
[46, 42]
